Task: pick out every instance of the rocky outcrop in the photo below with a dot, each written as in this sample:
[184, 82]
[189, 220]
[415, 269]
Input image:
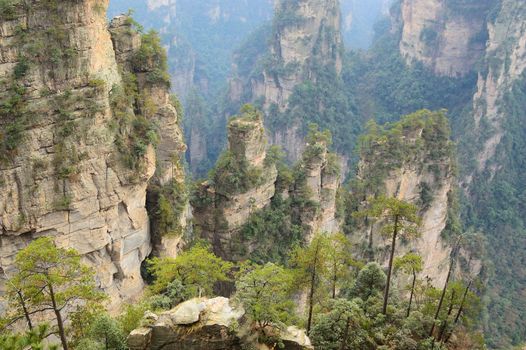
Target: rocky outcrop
[205, 324]
[506, 60]
[319, 183]
[245, 182]
[305, 38]
[415, 165]
[242, 183]
[447, 36]
[81, 138]
[305, 33]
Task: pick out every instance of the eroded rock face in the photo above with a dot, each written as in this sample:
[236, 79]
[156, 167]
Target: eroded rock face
[322, 179]
[221, 211]
[305, 37]
[306, 32]
[66, 177]
[406, 184]
[245, 182]
[423, 174]
[208, 324]
[449, 37]
[506, 58]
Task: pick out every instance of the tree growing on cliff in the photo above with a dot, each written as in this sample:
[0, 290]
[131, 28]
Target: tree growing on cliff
[412, 264]
[310, 266]
[56, 280]
[32, 339]
[339, 260]
[265, 293]
[398, 218]
[198, 269]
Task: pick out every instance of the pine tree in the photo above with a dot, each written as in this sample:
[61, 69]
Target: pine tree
[397, 218]
[410, 263]
[56, 280]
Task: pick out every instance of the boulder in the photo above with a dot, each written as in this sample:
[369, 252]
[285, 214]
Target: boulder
[187, 312]
[205, 324]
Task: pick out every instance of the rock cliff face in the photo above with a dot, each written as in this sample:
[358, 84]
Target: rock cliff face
[200, 324]
[415, 166]
[305, 37]
[305, 33]
[243, 183]
[490, 139]
[80, 105]
[447, 36]
[506, 60]
[319, 182]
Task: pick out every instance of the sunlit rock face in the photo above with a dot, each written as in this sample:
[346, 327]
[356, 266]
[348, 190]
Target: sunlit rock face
[449, 37]
[66, 178]
[222, 210]
[416, 175]
[200, 324]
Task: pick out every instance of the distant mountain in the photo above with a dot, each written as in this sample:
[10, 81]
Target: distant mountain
[200, 35]
[358, 20]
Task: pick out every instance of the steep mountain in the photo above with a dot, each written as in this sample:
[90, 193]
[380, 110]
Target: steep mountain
[199, 35]
[412, 160]
[80, 140]
[296, 78]
[243, 181]
[250, 191]
[494, 181]
[447, 36]
[205, 39]
[465, 56]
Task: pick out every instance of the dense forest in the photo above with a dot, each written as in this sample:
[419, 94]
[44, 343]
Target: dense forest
[333, 174]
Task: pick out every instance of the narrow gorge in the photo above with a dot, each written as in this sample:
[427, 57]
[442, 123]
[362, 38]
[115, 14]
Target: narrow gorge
[233, 174]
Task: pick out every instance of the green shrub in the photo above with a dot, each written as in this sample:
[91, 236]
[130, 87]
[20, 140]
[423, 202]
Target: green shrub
[21, 67]
[97, 84]
[151, 58]
[168, 203]
[8, 9]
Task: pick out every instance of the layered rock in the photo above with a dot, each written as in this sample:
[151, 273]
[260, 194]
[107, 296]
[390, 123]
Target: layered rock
[245, 182]
[319, 183]
[77, 167]
[305, 39]
[242, 183]
[200, 324]
[305, 33]
[506, 60]
[412, 162]
[447, 36]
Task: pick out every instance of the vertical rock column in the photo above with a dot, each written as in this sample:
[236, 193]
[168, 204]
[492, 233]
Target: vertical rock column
[222, 209]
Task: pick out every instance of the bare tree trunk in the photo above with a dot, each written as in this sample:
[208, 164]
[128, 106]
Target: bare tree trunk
[449, 311]
[459, 312]
[371, 242]
[24, 308]
[334, 280]
[442, 296]
[412, 293]
[312, 285]
[390, 271]
[60, 322]
[22, 301]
